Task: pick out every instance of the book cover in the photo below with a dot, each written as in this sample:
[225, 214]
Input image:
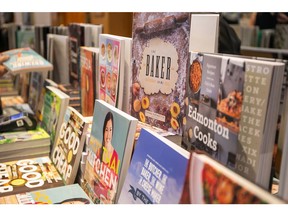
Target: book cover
[41, 32]
[66, 153]
[55, 105]
[8, 101]
[28, 175]
[160, 47]
[23, 139]
[209, 182]
[59, 54]
[109, 152]
[229, 102]
[74, 93]
[25, 60]
[156, 173]
[80, 34]
[40, 105]
[4, 43]
[67, 194]
[35, 88]
[89, 58]
[25, 36]
[204, 34]
[76, 39]
[110, 68]
[11, 29]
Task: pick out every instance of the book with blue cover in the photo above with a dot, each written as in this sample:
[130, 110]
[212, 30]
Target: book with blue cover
[157, 171]
[25, 60]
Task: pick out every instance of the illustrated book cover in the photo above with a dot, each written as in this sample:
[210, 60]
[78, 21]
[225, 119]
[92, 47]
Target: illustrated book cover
[209, 182]
[28, 175]
[40, 104]
[160, 48]
[109, 152]
[88, 70]
[54, 108]
[67, 194]
[23, 60]
[68, 147]
[156, 173]
[231, 105]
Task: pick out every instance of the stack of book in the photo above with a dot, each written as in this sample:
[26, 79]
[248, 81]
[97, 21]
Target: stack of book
[24, 144]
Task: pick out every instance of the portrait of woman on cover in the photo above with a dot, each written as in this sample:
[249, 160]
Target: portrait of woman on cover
[109, 158]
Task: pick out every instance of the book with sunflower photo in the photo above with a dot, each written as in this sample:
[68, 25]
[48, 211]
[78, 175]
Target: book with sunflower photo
[160, 48]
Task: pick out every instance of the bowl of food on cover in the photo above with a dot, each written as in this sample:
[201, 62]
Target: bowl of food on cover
[102, 79]
[109, 52]
[115, 54]
[195, 76]
[103, 50]
[113, 84]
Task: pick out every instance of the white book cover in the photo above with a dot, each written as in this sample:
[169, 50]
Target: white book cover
[60, 59]
[204, 33]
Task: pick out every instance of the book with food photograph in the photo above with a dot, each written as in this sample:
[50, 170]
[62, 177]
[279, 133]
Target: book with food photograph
[112, 58]
[231, 105]
[209, 182]
[160, 48]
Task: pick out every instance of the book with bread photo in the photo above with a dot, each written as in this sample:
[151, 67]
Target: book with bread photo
[232, 108]
[109, 152]
[160, 48]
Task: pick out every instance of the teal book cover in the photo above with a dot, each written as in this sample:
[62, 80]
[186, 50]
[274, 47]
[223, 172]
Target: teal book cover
[109, 152]
[25, 60]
